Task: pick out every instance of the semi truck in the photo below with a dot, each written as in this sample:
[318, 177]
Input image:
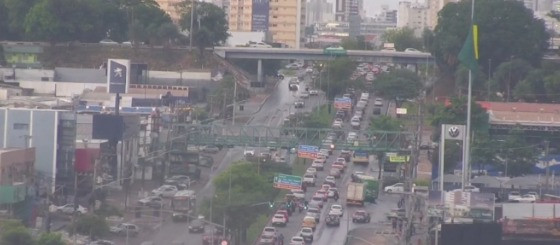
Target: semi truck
[355, 194]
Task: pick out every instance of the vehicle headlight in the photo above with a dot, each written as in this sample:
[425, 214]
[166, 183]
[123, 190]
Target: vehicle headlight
[190, 227]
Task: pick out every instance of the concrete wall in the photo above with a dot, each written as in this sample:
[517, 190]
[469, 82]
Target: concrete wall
[61, 89]
[16, 165]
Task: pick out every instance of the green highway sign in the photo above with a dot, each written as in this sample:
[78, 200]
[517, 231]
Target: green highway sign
[288, 182]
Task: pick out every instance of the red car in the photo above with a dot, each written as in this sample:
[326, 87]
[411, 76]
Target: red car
[285, 213]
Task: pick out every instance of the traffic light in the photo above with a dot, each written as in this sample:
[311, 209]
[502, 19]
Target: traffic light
[271, 204]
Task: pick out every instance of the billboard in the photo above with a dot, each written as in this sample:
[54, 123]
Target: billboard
[260, 15]
[118, 76]
[308, 151]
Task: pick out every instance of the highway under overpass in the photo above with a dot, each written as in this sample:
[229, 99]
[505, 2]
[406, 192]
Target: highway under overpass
[400, 58]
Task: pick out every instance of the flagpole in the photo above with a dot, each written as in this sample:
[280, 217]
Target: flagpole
[467, 148]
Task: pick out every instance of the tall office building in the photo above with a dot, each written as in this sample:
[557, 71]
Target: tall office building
[318, 11]
[347, 8]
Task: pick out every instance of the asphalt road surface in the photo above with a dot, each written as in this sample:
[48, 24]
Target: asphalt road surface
[278, 106]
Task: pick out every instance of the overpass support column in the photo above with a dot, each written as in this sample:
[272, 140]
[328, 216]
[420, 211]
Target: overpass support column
[259, 71]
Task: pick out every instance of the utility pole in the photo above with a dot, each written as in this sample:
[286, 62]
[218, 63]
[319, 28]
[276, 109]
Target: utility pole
[234, 102]
[546, 144]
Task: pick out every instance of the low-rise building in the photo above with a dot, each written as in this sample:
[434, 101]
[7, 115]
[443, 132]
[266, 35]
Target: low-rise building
[17, 174]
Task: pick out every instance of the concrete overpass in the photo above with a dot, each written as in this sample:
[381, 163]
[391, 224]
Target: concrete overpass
[401, 58]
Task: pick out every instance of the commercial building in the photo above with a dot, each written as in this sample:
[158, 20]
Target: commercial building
[17, 174]
[412, 15]
[318, 11]
[240, 15]
[347, 8]
[52, 133]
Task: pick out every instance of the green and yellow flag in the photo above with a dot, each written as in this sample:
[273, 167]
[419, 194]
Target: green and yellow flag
[469, 53]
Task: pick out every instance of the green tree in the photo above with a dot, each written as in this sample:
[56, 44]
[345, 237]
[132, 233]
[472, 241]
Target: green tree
[210, 27]
[398, 85]
[552, 86]
[506, 29]
[148, 23]
[319, 118]
[508, 74]
[517, 153]
[403, 38]
[335, 77]
[385, 123]
[357, 43]
[16, 12]
[14, 233]
[50, 239]
[251, 190]
[483, 152]
[92, 225]
[223, 94]
[532, 88]
[456, 113]
[462, 81]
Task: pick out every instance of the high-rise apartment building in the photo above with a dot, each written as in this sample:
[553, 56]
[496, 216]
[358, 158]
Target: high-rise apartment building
[434, 6]
[283, 20]
[318, 11]
[171, 8]
[347, 8]
[412, 15]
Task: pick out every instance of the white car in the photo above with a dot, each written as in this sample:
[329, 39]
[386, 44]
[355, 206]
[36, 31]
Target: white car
[298, 194]
[355, 122]
[69, 209]
[378, 102]
[318, 165]
[313, 92]
[341, 160]
[396, 188]
[309, 179]
[279, 220]
[166, 191]
[337, 125]
[331, 192]
[527, 198]
[330, 180]
[306, 232]
[304, 95]
[311, 171]
[249, 152]
[470, 188]
[309, 70]
[336, 209]
[412, 50]
[297, 240]
[513, 196]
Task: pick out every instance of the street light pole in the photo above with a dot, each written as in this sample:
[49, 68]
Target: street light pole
[192, 25]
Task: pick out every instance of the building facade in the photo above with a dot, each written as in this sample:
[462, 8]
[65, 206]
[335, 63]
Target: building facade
[434, 6]
[171, 7]
[287, 21]
[318, 11]
[412, 15]
[240, 15]
[51, 132]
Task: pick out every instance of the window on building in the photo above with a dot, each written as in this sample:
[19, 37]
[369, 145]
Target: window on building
[21, 126]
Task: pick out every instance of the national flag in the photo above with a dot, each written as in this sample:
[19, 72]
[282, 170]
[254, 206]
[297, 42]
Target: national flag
[469, 53]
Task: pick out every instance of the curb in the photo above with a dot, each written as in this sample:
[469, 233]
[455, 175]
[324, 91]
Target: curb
[258, 110]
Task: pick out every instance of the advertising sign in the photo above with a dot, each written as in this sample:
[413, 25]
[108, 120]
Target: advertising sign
[399, 159]
[118, 76]
[343, 103]
[308, 151]
[288, 182]
[260, 15]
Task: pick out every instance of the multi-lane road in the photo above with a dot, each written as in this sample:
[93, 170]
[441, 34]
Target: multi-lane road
[278, 106]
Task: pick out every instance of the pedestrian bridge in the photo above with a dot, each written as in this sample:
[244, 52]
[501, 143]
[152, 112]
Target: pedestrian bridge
[283, 137]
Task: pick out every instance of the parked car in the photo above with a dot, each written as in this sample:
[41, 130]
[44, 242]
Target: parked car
[279, 220]
[361, 216]
[196, 226]
[333, 220]
[527, 198]
[513, 195]
[396, 188]
[166, 191]
[125, 229]
[69, 209]
[313, 92]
